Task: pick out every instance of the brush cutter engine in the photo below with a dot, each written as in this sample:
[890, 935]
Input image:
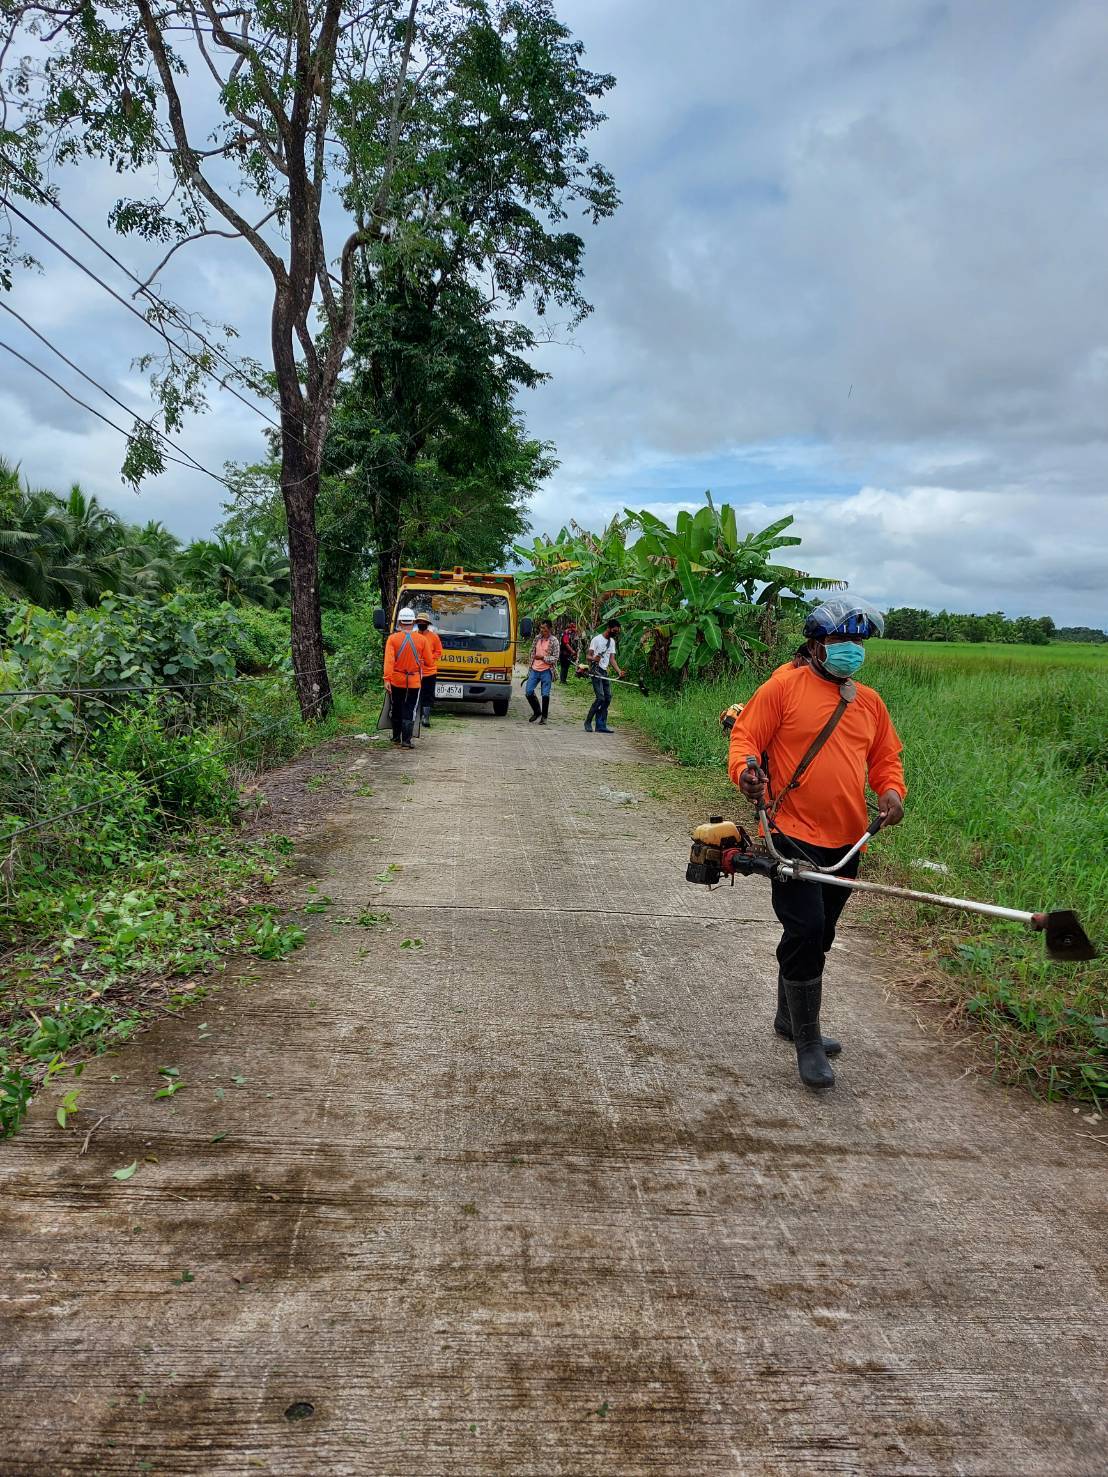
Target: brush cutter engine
[722, 849]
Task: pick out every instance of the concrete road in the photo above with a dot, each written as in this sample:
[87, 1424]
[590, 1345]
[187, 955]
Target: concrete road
[520, 1182]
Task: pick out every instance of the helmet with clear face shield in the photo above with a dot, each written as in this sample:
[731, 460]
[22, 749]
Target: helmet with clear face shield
[845, 615]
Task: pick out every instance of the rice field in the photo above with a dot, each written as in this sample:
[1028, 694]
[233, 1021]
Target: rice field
[1006, 756]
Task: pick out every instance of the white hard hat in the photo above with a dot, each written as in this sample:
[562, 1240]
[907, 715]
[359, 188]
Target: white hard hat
[406, 616]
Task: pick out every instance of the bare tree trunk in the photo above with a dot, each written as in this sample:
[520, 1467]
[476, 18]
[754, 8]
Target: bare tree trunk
[388, 576]
[299, 488]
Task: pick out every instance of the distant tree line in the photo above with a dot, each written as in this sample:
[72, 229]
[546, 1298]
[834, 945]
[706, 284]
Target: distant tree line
[1080, 633]
[908, 624]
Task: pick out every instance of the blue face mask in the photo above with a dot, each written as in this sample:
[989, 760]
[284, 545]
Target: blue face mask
[843, 658]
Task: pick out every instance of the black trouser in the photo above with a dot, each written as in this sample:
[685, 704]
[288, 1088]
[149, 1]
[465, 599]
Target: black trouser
[564, 660]
[427, 696]
[403, 711]
[601, 702]
[808, 911]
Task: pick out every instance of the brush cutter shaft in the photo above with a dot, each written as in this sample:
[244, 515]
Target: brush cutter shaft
[1062, 932]
[992, 910]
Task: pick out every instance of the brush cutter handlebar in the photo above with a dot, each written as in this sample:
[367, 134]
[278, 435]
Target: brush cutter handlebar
[789, 865]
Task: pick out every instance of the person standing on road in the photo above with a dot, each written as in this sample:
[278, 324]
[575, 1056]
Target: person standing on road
[567, 651]
[602, 657]
[544, 655]
[818, 736]
[404, 656]
[432, 651]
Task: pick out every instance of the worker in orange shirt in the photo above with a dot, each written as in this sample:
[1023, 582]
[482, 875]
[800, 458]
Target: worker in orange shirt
[404, 659]
[817, 809]
[432, 651]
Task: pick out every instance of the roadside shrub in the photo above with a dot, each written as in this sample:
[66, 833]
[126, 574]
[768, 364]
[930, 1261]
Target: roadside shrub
[357, 648]
[123, 641]
[258, 640]
[181, 772]
[263, 724]
[117, 826]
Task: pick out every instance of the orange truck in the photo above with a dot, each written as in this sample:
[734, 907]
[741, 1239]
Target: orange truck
[477, 618]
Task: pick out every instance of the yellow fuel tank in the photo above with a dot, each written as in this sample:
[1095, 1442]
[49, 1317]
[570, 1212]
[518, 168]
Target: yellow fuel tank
[715, 831]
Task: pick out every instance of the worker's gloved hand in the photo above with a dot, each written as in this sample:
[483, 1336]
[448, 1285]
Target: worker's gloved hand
[890, 807]
[753, 784]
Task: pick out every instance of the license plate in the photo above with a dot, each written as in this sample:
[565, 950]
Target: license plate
[449, 689]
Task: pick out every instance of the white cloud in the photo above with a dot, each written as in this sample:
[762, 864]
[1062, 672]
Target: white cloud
[861, 250]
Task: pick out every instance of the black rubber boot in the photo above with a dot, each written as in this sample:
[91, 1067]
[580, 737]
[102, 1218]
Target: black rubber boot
[804, 998]
[545, 711]
[536, 711]
[406, 736]
[782, 1021]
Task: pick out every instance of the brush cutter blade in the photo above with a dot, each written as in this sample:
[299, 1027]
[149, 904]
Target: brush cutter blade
[1065, 938]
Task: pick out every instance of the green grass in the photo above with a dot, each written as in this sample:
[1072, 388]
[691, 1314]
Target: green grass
[86, 959]
[995, 656]
[1006, 755]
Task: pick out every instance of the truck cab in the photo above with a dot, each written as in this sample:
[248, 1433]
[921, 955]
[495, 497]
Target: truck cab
[477, 619]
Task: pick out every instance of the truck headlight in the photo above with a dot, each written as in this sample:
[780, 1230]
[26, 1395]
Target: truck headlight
[498, 675]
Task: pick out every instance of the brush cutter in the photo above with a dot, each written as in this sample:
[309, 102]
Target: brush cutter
[722, 849]
[619, 681]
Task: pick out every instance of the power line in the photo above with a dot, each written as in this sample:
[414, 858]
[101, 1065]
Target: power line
[84, 403]
[153, 297]
[161, 435]
[193, 358]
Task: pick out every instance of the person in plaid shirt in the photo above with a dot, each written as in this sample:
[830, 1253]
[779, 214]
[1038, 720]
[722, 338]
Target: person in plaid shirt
[544, 658]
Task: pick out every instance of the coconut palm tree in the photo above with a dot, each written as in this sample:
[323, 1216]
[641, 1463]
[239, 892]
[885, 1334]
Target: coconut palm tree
[36, 561]
[151, 559]
[240, 571]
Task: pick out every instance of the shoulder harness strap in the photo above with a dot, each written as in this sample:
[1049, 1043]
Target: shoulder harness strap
[407, 641]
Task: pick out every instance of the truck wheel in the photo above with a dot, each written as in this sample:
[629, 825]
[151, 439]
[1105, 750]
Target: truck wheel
[500, 706]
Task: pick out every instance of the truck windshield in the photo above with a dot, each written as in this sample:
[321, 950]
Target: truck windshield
[466, 620]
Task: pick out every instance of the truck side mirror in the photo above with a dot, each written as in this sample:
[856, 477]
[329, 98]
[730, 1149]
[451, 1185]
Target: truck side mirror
[379, 619]
[526, 627]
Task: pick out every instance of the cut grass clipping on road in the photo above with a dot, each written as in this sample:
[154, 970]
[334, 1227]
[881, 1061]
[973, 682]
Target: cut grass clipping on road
[1006, 756]
[87, 958]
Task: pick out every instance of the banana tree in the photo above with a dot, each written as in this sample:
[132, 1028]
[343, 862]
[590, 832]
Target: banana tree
[579, 574]
[709, 540]
[713, 592]
[703, 618]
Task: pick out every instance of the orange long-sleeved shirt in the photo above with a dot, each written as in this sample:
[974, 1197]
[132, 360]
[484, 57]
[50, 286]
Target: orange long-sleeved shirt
[432, 650]
[828, 807]
[405, 653]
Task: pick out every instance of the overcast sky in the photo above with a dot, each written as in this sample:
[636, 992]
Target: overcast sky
[858, 275]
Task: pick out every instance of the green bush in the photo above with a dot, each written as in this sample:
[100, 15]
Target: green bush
[258, 640]
[122, 642]
[356, 647]
[114, 822]
[181, 772]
